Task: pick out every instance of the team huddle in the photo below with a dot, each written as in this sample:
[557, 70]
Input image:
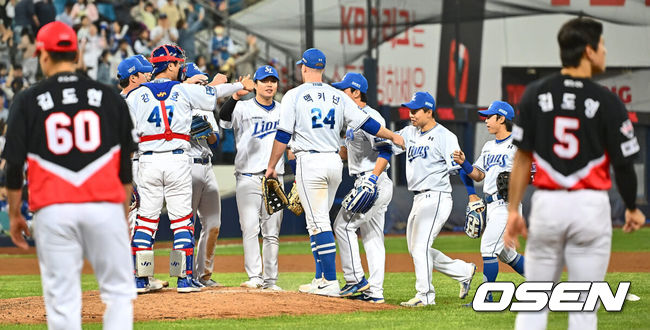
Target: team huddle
[88, 148]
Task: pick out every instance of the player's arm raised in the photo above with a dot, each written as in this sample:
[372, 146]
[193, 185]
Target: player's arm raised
[469, 170]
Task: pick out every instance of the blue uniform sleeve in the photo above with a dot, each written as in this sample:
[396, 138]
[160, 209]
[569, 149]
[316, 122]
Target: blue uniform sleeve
[282, 136]
[385, 151]
[468, 182]
[371, 126]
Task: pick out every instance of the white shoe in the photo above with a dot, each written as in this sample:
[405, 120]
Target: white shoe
[309, 287]
[327, 288]
[155, 284]
[158, 282]
[253, 283]
[465, 285]
[271, 287]
[413, 302]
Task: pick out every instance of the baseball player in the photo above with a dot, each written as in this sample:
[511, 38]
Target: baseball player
[313, 114]
[255, 122]
[131, 72]
[429, 148]
[570, 222]
[206, 203]
[496, 157]
[368, 158]
[76, 135]
[162, 110]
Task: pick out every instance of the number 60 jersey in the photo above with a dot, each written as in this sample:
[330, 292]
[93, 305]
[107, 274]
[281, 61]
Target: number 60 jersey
[76, 135]
[315, 114]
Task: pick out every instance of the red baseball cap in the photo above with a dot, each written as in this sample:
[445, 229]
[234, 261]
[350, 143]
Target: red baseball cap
[56, 37]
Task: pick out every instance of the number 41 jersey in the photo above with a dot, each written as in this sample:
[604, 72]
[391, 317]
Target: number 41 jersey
[76, 135]
[575, 128]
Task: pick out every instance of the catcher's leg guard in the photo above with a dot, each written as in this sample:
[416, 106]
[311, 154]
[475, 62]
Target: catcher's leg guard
[183, 229]
[142, 240]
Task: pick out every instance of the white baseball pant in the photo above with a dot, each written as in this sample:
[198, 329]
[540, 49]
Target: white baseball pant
[492, 244]
[206, 203]
[253, 218]
[428, 215]
[371, 228]
[317, 179]
[65, 234]
[572, 229]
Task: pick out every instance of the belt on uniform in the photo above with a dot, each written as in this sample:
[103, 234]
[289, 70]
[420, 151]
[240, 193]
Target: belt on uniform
[203, 161]
[356, 176]
[421, 191]
[251, 174]
[492, 198]
[176, 152]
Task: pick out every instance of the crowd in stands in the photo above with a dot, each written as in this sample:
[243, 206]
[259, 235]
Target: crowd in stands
[110, 31]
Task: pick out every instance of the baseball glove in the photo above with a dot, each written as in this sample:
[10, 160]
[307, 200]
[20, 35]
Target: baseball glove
[475, 219]
[294, 201]
[201, 128]
[502, 184]
[274, 198]
[361, 198]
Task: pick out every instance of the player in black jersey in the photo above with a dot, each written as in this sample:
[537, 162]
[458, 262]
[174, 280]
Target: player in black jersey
[573, 129]
[76, 136]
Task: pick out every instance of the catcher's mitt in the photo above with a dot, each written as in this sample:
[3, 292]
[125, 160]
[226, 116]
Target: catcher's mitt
[274, 198]
[201, 128]
[294, 201]
[361, 198]
[475, 219]
[502, 184]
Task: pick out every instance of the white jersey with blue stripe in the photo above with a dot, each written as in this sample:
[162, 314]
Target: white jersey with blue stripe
[254, 127]
[429, 158]
[315, 114]
[496, 157]
[362, 146]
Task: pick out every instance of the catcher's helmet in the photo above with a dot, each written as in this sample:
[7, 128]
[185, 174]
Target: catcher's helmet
[165, 54]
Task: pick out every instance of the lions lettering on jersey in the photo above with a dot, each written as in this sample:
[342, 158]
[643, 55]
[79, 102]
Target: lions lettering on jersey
[417, 151]
[492, 160]
[263, 128]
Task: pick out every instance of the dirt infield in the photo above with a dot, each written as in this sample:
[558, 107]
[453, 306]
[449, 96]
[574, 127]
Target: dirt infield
[170, 305]
[397, 262]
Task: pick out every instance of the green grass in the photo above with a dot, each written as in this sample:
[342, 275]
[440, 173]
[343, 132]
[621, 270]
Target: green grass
[448, 313]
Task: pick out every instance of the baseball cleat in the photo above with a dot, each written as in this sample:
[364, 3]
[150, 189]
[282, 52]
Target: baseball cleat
[186, 285]
[350, 289]
[210, 283]
[327, 288]
[271, 287]
[367, 298]
[253, 283]
[142, 285]
[413, 302]
[465, 285]
[308, 288]
[161, 283]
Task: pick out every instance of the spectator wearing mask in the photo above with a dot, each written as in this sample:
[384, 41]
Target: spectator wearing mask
[222, 46]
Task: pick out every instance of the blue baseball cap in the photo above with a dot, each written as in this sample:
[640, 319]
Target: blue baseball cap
[313, 58]
[421, 100]
[130, 66]
[353, 80]
[192, 70]
[145, 62]
[266, 71]
[499, 108]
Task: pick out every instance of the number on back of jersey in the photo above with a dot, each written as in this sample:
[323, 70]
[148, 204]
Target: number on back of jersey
[156, 116]
[317, 119]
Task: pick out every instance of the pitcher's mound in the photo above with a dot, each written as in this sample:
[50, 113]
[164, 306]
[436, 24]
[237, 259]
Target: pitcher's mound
[212, 303]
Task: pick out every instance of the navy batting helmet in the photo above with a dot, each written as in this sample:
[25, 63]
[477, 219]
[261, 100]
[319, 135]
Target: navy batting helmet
[165, 54]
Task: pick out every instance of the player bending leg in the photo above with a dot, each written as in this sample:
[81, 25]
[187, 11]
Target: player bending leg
[429, 147]
[255, 122]
[496, 158]
[314, 113]
[162, 110]
[570, 223]
[368, 158]
[206, 203]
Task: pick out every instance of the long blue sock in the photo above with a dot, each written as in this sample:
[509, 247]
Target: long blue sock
[314, 251]
[518, 264]
[490, 272]
[327, 252]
